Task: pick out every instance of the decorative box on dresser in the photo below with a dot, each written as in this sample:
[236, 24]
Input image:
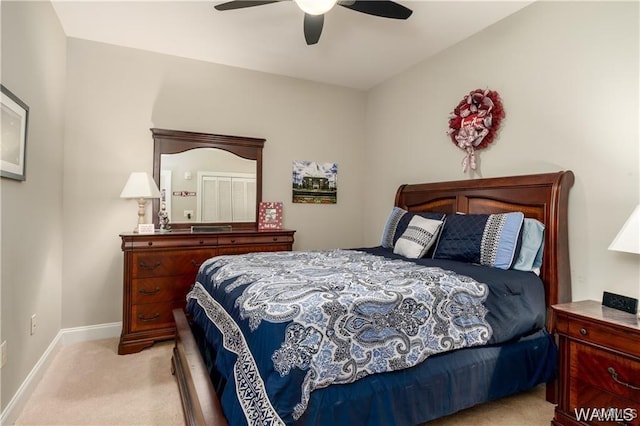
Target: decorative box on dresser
[599, 365]
[160, 268]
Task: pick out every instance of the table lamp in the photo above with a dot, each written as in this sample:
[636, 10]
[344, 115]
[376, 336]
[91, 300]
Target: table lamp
[141, 187]
[628, 239]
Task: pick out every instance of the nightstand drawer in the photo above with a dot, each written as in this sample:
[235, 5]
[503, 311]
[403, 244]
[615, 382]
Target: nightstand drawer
[164, 263]
[598, 407]
[601, 334]
[605, 370]
[153, 290]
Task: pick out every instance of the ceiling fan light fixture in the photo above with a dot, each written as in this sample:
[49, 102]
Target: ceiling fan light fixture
[316, 7]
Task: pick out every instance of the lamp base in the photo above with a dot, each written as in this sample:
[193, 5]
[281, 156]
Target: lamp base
[142, 206]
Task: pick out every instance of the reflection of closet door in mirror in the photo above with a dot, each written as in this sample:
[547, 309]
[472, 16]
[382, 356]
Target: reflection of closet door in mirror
[226, 197]
[244, 195]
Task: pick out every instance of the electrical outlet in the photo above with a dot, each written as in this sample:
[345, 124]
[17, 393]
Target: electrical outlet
[34, 324]
[3, 354]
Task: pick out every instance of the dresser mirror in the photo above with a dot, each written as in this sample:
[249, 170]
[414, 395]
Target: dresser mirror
[207, 179]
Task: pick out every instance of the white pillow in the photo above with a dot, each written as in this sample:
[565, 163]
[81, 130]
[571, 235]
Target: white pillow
[418, 237]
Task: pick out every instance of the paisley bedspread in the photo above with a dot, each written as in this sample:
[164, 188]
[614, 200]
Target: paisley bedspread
[287, 323]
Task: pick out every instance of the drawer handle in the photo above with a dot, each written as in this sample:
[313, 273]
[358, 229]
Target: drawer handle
[149, 292]
[275, 238]
[614, 376]
[149, 267]
[233, 241]
[583, 331]
[153, 318]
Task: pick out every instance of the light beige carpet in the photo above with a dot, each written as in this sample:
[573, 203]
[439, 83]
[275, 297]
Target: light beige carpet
[89, 384]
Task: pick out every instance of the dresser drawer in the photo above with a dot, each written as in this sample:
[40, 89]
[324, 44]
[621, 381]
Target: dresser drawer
[254, 239]
[160, 268]
[169, 263]
[153, 290]
[605, 370]
[169, 241]
[153, 316]
[242, 249]
[601, 334]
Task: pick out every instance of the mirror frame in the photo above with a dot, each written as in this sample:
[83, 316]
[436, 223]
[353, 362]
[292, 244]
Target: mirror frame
[176, 141]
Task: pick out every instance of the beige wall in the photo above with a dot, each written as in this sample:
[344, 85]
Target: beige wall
[116, 94]
[567, 73]
[33, 68]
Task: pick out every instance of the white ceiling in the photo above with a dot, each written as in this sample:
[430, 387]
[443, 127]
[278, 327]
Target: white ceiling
[355, 50]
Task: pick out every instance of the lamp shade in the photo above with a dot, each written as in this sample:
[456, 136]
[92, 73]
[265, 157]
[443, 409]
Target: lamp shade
[628, 239]
[140, 185]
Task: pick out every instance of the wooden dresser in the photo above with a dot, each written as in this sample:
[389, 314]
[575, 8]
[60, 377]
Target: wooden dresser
[160, 268]
[599, 367]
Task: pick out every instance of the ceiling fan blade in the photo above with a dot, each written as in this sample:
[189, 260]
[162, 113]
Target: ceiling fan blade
[241, 4]
[383, 8]
[313, 28]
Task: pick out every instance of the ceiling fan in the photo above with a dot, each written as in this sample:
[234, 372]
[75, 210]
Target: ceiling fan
[314, 11]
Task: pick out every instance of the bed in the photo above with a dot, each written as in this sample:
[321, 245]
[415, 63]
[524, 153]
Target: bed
[501, 347]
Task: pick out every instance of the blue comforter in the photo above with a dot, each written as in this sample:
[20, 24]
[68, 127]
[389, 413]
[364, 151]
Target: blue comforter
[284, 324]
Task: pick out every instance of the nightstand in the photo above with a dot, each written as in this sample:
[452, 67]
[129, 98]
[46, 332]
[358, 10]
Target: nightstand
[599, 365]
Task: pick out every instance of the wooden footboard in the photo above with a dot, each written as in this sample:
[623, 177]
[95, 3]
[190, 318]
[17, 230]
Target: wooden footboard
[199, 400]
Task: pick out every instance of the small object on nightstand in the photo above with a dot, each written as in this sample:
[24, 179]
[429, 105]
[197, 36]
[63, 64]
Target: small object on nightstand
[621, 303]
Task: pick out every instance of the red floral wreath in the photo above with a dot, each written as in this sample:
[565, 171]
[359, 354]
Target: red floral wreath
[474, 123]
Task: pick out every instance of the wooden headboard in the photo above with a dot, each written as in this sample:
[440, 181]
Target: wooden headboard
[540, 196]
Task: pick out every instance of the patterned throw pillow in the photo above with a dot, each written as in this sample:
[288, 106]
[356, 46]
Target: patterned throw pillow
[487, 239]
[397, 223]
[417, 238]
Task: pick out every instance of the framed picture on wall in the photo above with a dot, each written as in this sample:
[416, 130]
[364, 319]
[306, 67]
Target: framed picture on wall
[315, 183]
[13, 121]
[270, 215]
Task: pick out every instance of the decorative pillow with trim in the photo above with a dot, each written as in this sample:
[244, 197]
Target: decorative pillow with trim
[487, 239]
[419, 236]
[532, 247]
[397, 223]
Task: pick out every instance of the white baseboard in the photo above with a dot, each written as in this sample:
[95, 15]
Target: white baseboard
[65, 336]
[92, 332]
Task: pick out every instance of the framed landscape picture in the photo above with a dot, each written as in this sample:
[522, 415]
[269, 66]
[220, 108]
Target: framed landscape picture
[14, 120]
[315, 183]
[270, 215]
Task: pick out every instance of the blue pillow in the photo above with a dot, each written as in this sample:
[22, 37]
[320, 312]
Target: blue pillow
[487, 239]
[532, 247]
[397, 223]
